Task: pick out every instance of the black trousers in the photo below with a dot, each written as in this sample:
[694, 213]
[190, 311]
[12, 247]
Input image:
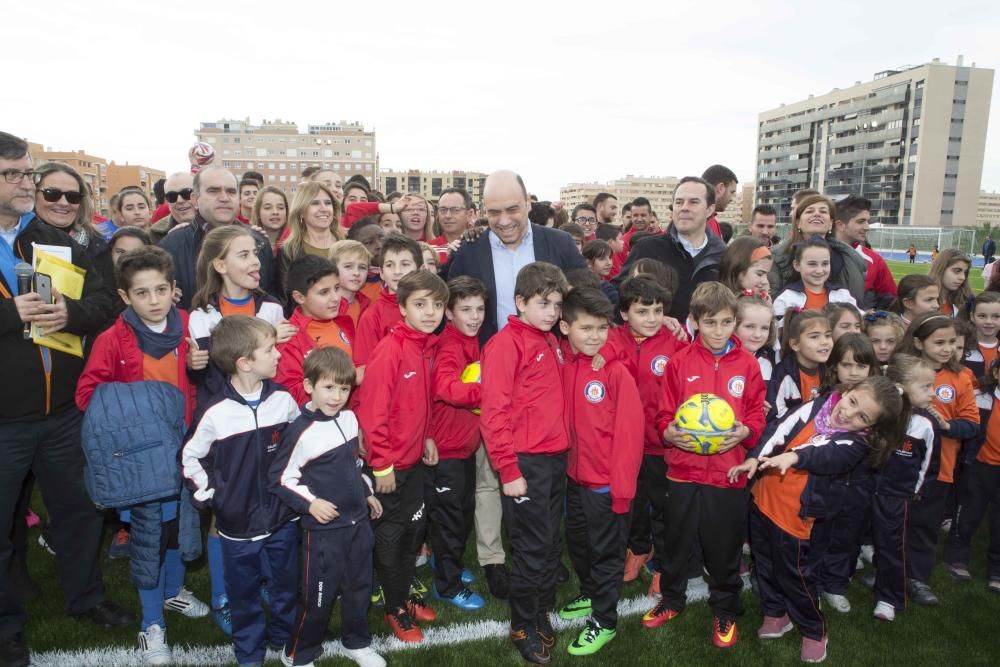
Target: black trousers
[923, 527]
[595, 538]
[397, 533]
[334, 562]
[784, 575]
[50, 448]
[532, 523]
[646, 529]
[836, 542]
[714, 519]
[451, 505]
[889, 518]
[979, 492]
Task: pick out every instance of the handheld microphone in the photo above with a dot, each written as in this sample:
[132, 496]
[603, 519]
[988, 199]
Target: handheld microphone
[23, 271]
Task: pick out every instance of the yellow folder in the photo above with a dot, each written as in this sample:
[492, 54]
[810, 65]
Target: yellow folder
[67, 278]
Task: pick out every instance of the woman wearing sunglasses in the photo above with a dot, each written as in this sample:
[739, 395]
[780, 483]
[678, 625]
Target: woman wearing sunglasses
[61, 201]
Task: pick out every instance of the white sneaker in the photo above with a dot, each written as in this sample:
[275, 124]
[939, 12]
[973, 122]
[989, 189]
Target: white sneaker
[187, 604]
[838, 602]
[366, 657]
[153, 644]
[859, 564]
[288, 662]
[422, 556]
[885, 611]
[868, 553]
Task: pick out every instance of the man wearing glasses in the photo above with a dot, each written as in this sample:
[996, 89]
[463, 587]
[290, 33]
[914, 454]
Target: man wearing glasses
[39, 421]
[456, 213]
[177, 193]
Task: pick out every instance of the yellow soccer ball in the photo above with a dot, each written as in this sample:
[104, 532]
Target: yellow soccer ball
[473, 373]
[705, 417]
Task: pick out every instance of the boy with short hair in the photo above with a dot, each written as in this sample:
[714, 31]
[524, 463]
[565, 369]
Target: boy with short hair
[394, 411]
[525, 436]
[225, 461]
[704, 506]
[455, 431]
[318, 474]
[400, 256]
[320, 316]
[148, 343]
[576, 233]
[645, 346]
[604, 413]
[352, 260]
[614, 237]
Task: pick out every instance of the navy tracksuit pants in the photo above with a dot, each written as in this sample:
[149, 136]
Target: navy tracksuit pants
[397, 533]
[334, 562]
[923, 527]
[244, 570]
[785, 579]
[889, 519]
[595, 538]
[979, 492]
[451, 505]
[836, 542]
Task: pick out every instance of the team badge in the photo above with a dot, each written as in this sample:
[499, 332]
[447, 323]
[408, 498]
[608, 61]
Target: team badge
[659, 364]
[737, 385]
[594, 391]
[817, 439]
[945, 393]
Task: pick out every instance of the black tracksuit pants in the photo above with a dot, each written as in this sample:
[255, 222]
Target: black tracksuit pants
[923, 527]
[979, 492]
[889, 518]
[335, 562]
[595, 538]
[836, 542]
[784, 575]
[532, 523]
[397, 533]
[715, 519]
[646, 518]
[451, 505]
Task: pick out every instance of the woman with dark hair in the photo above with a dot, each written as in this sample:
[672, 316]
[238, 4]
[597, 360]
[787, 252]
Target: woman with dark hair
[814, 217]
[61, 201]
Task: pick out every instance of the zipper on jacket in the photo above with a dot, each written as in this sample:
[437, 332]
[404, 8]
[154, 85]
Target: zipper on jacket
[256, 447]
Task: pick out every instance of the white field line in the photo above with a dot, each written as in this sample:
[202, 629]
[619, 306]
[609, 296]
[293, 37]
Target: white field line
[212, 656]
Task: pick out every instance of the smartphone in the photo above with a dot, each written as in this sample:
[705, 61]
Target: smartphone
[43, 287]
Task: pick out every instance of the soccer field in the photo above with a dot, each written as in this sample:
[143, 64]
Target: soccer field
[961, 631]
[900, 269]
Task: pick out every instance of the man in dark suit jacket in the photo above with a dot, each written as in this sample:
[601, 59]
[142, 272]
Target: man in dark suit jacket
[511, 242]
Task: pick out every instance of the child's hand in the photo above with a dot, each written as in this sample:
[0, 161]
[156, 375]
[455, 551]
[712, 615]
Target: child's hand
[385, 483]
[598, 362]
[374, 507]
[430, 457]
[733, 437]
[767, 407]
[782, 462]
[749, 467]
[323, 510]
[516, 489]
[359, 373]
[286, 330]
[942, 422]
[196, 359]
[678, 438]
[674, 326]
[177, 295]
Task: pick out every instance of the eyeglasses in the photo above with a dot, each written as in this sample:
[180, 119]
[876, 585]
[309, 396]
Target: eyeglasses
[15, 176]
[585, 221]
[877, 315]
[184, 193]
[451, 210]
[52, 195]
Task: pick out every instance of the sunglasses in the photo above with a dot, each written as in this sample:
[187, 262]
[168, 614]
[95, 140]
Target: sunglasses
[52, 195]
[172, 196]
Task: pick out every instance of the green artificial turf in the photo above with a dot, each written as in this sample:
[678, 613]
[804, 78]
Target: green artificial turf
[963, 630]
[900, 269]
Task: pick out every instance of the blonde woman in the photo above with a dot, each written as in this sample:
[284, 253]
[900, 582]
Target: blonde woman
[313, 227]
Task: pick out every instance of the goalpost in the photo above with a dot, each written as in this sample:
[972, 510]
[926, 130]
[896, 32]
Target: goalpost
[893, 242]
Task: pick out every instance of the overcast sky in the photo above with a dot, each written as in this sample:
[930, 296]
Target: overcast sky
[561, 92]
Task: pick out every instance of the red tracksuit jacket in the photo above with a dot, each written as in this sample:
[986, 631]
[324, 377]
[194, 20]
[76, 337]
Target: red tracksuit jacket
[454, 427]
[375, 324]
[522, 408]
[734, 376]
[295, 350]
[394, 405]
[604, 422]
[646, 361]
[116, 357]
